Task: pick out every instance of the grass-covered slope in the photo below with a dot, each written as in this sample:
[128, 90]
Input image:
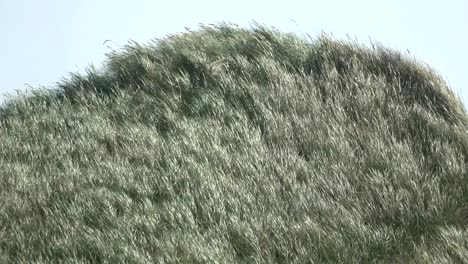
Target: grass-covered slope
[233, 145]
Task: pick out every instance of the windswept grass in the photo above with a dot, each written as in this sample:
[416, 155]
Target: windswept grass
[235, 145]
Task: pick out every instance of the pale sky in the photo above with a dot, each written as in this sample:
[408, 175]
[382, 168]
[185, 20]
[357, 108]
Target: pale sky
[43, 41]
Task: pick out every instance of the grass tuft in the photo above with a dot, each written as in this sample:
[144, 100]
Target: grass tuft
[237, 145]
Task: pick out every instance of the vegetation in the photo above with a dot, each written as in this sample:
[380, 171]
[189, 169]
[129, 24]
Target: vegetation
[235, 145]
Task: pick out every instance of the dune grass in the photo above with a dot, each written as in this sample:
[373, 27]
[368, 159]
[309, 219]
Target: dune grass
[237, 145]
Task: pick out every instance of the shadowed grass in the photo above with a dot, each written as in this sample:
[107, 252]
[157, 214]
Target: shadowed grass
[234, 145]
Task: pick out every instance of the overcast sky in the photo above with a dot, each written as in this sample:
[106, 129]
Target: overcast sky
[42, 41]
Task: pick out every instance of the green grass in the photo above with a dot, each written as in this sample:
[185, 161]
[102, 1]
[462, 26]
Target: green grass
[237, 145]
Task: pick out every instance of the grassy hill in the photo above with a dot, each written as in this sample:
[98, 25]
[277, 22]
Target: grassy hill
[235, 145]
